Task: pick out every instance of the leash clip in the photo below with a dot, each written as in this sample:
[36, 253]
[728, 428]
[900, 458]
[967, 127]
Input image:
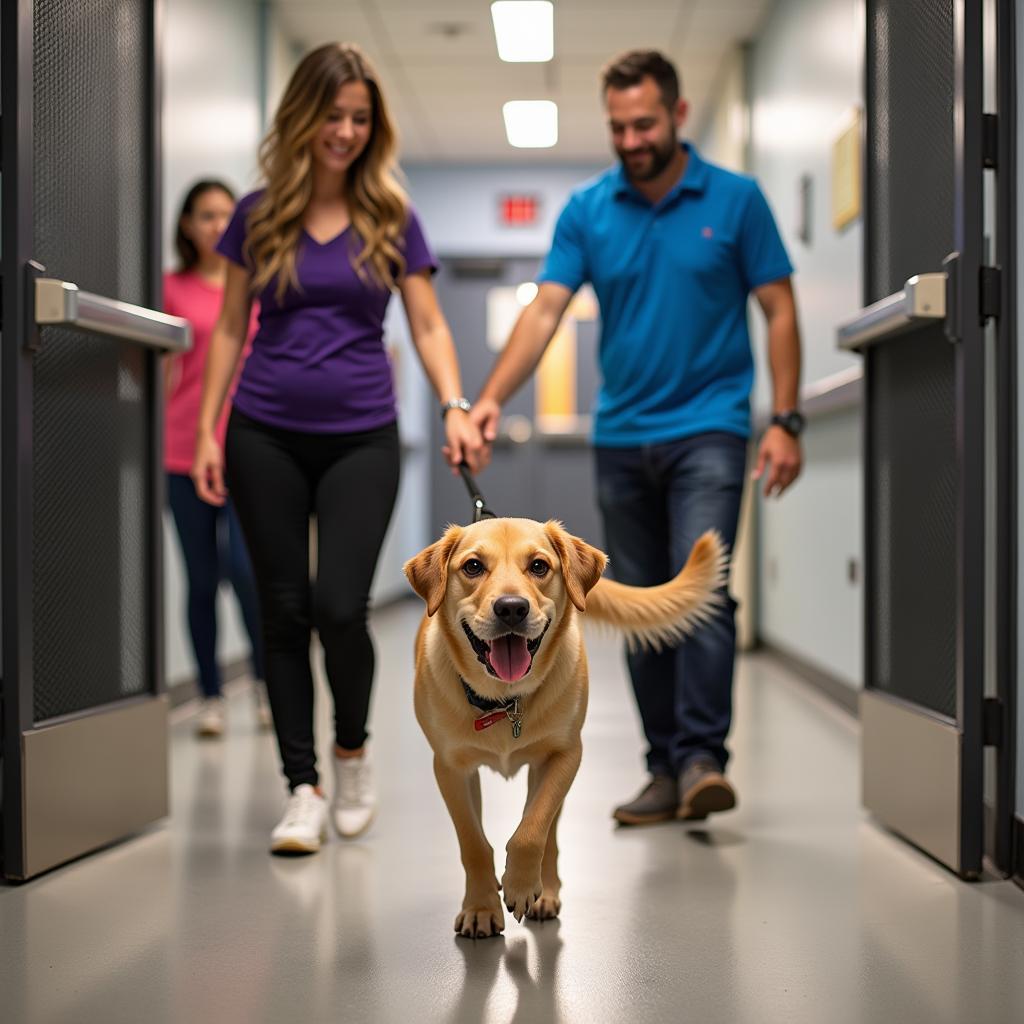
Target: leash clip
[480, 509]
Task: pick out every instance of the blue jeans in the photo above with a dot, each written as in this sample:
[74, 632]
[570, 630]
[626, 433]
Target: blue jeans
[656, 500]
[211, 541]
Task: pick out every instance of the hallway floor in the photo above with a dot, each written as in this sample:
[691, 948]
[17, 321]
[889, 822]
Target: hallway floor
[796, 907]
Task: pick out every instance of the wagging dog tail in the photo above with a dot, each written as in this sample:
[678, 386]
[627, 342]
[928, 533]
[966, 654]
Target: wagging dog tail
[654, 616]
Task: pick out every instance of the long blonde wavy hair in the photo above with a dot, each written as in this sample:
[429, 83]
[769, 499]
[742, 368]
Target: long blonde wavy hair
[377, 204]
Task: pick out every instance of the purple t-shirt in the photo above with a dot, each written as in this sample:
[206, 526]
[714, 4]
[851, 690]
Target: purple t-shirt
[318, 362]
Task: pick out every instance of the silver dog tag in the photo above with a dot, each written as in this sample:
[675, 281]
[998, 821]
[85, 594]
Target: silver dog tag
[515, 717]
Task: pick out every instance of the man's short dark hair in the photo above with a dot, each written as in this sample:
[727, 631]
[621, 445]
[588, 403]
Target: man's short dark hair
[631, 67]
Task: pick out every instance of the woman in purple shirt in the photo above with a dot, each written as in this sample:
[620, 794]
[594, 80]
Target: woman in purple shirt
[312, 429]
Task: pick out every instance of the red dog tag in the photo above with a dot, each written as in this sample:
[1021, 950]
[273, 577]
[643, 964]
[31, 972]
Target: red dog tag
[486, 721]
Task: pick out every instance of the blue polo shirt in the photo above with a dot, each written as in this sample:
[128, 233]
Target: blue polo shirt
[672, 281]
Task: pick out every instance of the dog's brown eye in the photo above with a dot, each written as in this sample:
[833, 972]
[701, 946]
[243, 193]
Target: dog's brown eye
[473, 567]
[539, 567]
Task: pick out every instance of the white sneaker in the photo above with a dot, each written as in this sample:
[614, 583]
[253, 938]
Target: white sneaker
[264, 718]
[304, 825]
[355, 802]
[211, 717]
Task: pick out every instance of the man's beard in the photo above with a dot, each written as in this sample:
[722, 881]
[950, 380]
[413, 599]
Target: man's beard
[660, 158]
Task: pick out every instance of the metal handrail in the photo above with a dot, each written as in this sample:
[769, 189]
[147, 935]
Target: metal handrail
[923, 298]
[839, 392]
[61, 302]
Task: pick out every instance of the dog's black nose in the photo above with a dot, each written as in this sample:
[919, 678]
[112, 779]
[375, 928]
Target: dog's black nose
[511, 610]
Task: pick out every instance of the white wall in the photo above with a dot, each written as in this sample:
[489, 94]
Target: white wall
[804, 75]
[212, 102]
[211, 127]
[724, 134]
[280, 56]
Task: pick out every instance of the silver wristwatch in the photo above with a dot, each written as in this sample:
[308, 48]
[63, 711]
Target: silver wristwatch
[455, 403]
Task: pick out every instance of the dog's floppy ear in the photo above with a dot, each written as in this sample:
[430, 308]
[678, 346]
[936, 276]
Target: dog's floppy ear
[428, 571]
[582, 565]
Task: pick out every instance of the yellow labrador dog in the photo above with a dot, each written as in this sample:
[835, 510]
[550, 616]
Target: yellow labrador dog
[501, 681]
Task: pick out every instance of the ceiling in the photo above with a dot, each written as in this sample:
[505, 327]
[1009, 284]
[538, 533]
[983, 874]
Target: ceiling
[446, 85]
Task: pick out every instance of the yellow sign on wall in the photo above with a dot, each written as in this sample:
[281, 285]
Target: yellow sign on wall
[556, 375]
[846, 173]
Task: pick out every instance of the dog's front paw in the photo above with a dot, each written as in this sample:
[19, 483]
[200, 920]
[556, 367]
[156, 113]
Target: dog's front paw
[521, 888]
[480, 918]
[545, 908]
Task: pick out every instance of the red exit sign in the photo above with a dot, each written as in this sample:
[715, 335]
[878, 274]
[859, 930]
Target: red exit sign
[519, 210]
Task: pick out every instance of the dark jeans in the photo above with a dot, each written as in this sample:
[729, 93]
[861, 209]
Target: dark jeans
[656, 500]
[211, 541]
[278, 479]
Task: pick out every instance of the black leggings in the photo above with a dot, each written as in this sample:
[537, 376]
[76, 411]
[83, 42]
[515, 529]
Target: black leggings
[278, 479]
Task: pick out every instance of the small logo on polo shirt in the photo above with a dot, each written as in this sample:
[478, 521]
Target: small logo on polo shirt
[707, 232]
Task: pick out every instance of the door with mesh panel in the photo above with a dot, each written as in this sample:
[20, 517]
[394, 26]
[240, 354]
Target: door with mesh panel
[84, 715]
[929, 474]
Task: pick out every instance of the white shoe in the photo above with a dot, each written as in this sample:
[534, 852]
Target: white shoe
[211, 717]
[355, 802]
[304, 825]
[264, 718]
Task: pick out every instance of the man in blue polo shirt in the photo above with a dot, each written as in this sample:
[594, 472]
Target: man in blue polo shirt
[673, 246]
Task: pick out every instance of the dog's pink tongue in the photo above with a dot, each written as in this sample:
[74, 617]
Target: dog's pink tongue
[509, 657]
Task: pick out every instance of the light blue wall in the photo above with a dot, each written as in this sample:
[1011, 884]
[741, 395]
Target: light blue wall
[459, 205]
[804, 75]
[211, 127]
[803, 78]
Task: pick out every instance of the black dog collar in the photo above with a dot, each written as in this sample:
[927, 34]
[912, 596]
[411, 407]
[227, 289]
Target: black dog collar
[483, 703]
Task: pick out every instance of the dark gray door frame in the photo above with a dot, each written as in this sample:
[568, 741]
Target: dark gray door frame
[924, 764]
[1000, 839]
[967, 325]
[19, 335]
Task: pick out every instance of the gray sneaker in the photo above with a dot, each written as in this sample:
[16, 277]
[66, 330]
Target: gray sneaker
[656, 802]
[703, 790]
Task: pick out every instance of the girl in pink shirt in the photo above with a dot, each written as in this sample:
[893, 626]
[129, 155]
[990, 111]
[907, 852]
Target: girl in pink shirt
[211, 539]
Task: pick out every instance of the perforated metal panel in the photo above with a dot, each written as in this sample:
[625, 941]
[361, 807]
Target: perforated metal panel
[912, 519]
[910, 174]
[91, 441]
[911, 411]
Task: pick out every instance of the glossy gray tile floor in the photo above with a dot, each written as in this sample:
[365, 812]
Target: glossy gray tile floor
[796, 907]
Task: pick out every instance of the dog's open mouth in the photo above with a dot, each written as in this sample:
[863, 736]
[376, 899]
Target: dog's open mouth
[507, 657]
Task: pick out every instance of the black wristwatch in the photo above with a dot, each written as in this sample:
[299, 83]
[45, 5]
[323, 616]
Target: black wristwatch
[791, 421]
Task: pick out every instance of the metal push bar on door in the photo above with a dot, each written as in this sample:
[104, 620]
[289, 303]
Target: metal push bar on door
[922, 299]
[61, 302]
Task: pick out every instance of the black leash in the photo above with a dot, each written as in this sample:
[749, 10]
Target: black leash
[480, 509]
[493, 710]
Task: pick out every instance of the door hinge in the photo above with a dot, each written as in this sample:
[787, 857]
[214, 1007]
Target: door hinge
[989, 292]
[990, 140]
[992, 722]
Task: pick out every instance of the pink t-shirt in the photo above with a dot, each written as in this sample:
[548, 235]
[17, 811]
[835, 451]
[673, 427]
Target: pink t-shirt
[187, 295]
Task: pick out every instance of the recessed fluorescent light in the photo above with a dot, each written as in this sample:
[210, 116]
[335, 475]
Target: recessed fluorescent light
[531, 124]
[524, 29]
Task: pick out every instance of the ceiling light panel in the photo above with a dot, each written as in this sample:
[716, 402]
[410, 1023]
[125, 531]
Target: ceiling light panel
[531, 124]
[524, 30]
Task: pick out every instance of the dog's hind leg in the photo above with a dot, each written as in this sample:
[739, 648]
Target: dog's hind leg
[481, 915]
[550, 902]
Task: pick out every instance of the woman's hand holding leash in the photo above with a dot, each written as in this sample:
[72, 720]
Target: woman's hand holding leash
[465, 443]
